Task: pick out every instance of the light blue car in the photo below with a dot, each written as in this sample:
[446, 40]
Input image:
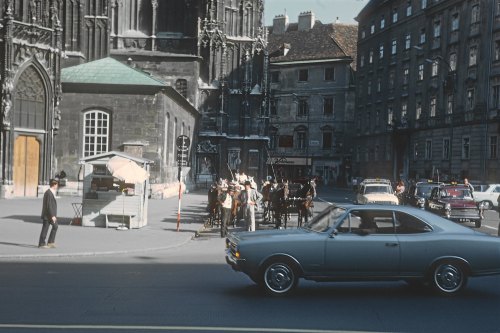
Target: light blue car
[369, 242]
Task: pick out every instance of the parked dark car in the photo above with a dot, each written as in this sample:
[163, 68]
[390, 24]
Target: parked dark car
[367, 242]
[454, 202]
[418, 193]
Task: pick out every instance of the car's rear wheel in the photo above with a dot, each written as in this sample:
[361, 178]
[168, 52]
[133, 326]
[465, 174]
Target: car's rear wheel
[449, 277]
[280, 277]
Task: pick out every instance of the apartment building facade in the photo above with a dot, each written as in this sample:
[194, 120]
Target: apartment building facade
[428, 88]
[311, 98]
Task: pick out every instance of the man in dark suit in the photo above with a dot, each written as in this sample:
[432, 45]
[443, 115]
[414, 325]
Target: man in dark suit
[49, 216]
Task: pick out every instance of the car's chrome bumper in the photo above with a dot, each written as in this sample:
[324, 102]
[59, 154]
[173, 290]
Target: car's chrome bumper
[234, 262]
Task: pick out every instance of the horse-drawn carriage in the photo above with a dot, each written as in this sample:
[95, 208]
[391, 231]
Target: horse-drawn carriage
[280, 201]
[283, 200]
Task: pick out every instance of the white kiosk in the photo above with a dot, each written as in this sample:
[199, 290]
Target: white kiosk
[115, 191]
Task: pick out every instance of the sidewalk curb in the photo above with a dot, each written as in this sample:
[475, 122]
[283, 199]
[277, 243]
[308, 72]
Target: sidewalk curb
[95, 254]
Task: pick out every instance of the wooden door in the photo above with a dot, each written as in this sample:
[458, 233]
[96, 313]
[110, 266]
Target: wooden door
[26, 166]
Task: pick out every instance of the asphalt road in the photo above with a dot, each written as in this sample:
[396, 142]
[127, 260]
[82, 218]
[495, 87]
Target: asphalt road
[191, 289]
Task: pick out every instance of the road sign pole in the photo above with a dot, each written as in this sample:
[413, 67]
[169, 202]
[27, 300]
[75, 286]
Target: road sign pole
[182, 144]
[180, 197]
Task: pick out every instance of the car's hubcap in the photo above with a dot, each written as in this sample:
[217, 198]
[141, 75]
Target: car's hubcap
[448, 278]
[279, 277]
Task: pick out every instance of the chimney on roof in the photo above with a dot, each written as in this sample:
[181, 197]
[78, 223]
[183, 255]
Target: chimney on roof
[280, 24]
[306, 21]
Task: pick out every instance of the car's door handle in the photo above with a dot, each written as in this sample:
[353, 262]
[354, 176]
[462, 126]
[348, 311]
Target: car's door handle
[391, 244]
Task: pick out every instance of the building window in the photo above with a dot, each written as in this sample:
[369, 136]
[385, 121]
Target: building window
[275, 77]
[493, 147]
[422, 36]
[423, 4]
[407, 41]
[455, 22]
[406, 76]
[381, 51]
[303, 108]
[432, 108]
[428, 150]
[95, 132]
[382, 22]
[328, 106]
[390, 115]
[465, 147]
[497, 49]
[496, 97]
[369, 87]
[379, 85]
[404, 112]
[409, 8]
[372, 28]
[435, 68]
[394, 15]
[392, 79]
[330, 74]
[449, 104]
[394, 47]
[446, 148]
[273, 138]
[473, 55]
[497, 8]
[453, 61]
[301, 135]
[362, 61]
[253, 160]
[327, 139]
[181, 87]
[303, 75]
[418, 110]
[437, 29]
[370, 57]
[273, 107]
[166, 153]
[420, 76]
[470, 100]
[475, 14]
[363, 33]
[415, 151]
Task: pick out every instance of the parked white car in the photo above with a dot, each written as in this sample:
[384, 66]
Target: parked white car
[376, 191]
[488, 196]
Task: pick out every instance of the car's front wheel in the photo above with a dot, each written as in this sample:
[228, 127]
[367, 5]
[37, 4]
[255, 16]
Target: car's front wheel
[280, 277]
[449, 277]
[477, 223]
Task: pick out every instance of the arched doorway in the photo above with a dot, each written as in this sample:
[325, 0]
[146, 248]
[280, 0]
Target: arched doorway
[29, 120]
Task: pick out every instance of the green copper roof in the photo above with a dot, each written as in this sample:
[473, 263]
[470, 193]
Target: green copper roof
[108, 71]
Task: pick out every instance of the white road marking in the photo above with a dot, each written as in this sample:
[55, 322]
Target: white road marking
[170, 328]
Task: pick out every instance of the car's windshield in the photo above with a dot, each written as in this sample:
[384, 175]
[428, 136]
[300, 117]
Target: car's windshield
[378, 189]
[424, 191]
[324, 220]
[456, 193]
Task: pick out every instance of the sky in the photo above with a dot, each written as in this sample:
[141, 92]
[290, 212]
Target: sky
[326, 11]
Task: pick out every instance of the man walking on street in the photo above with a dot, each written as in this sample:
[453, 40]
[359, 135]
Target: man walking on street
[49, 216]
[250, 198]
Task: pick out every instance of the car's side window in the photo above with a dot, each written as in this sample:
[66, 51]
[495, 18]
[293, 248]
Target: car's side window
[497, 189]
[408, 224]
[368, 222]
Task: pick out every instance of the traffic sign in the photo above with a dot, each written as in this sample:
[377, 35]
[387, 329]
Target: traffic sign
[182, 142]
